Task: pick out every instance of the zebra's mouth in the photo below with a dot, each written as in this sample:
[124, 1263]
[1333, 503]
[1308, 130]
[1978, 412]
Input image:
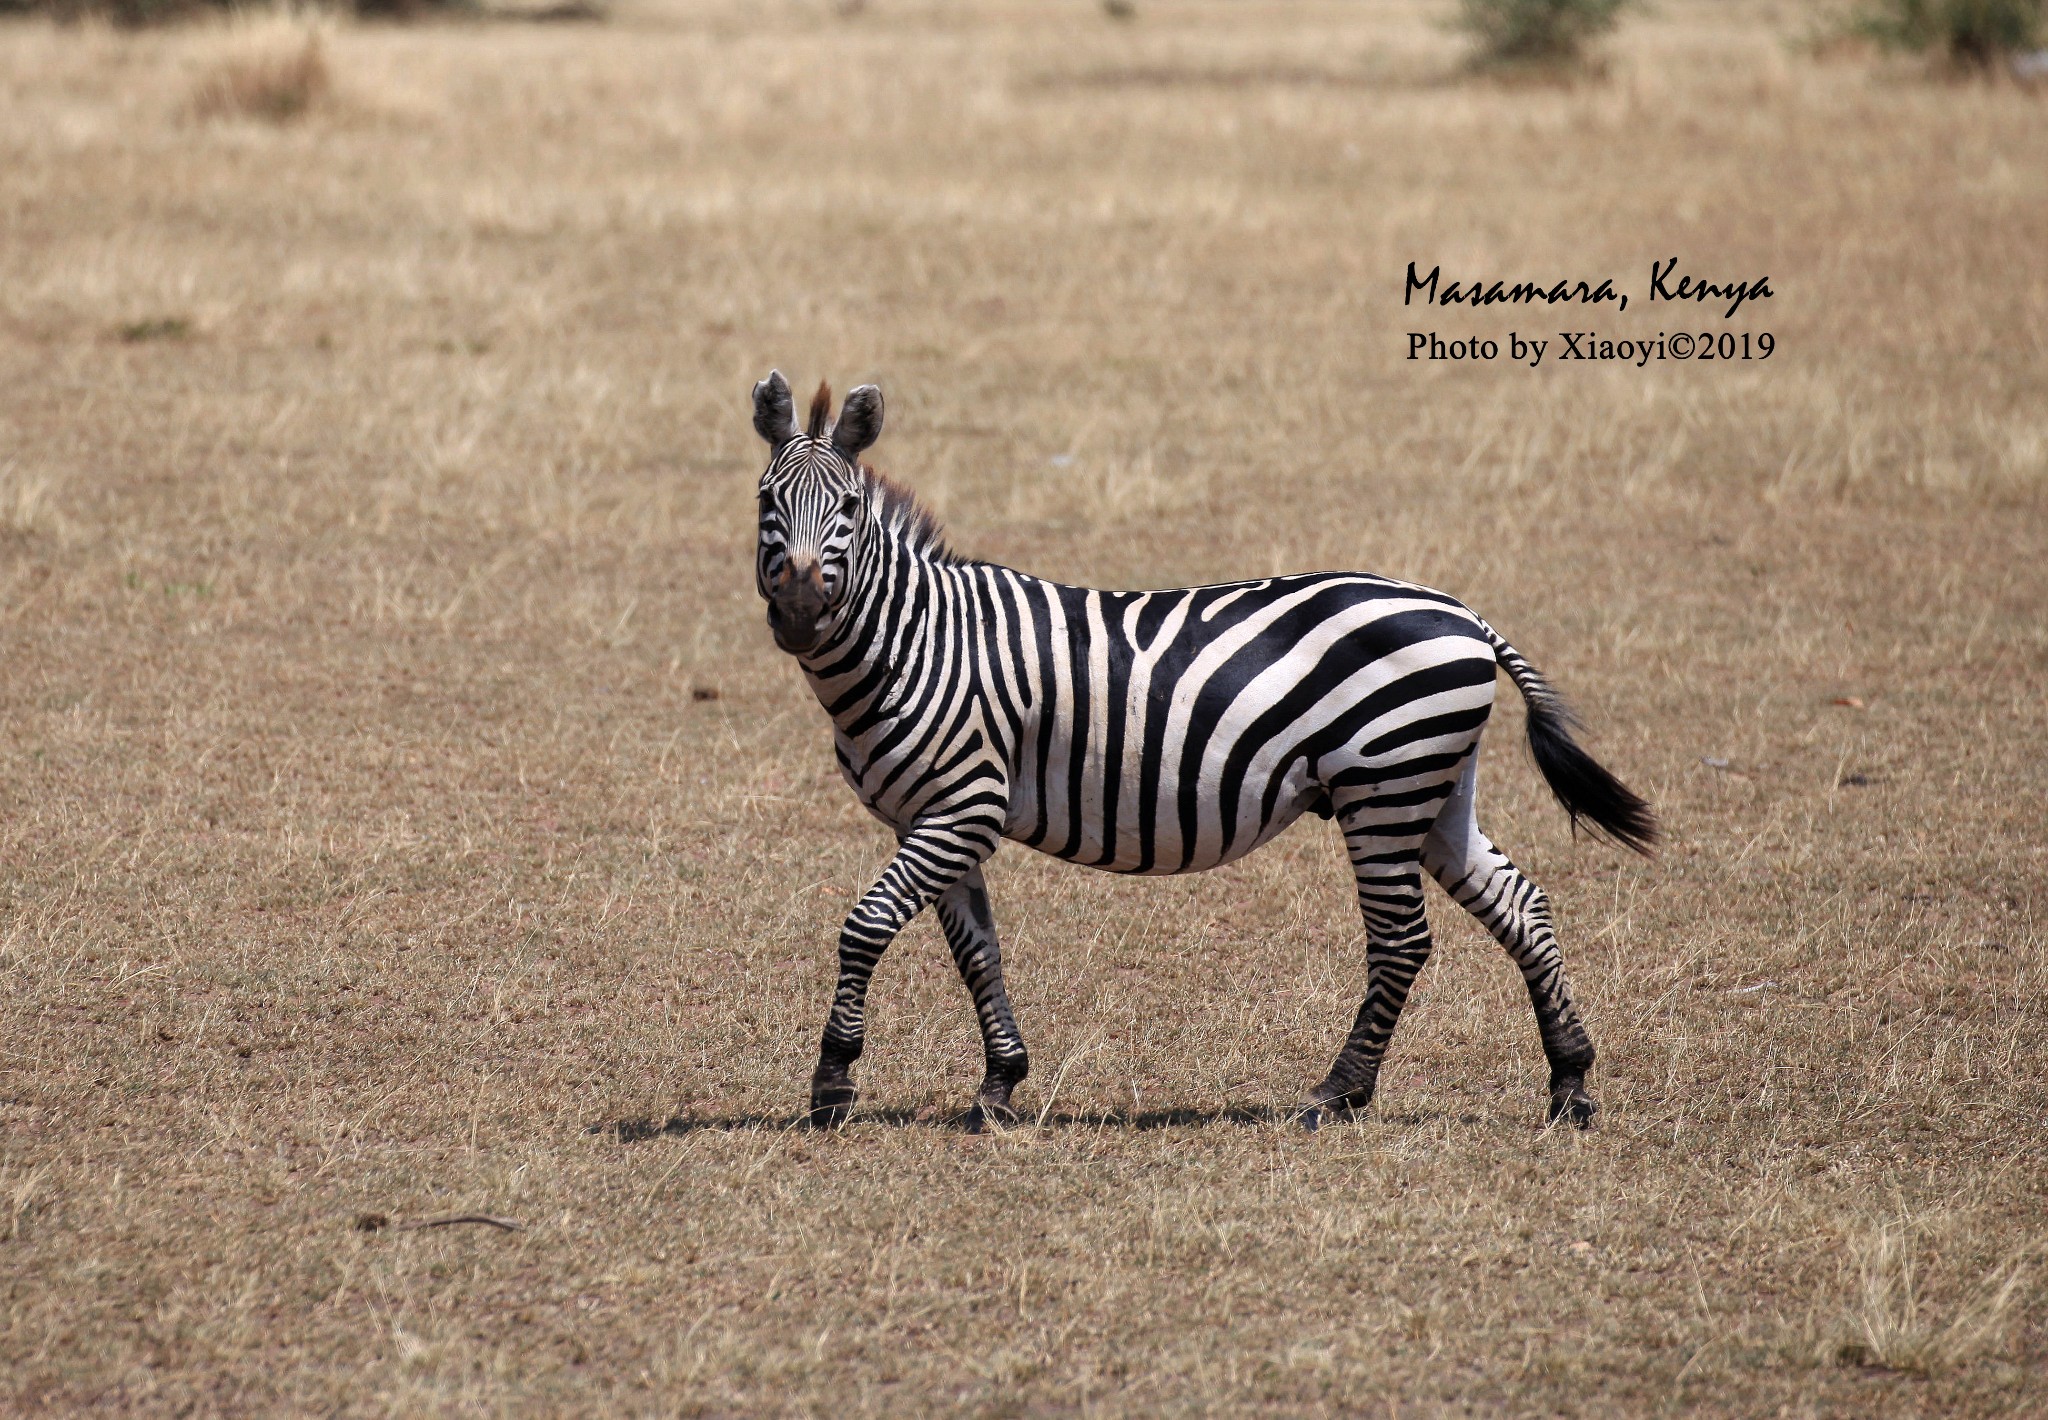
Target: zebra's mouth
[792, 641]
[796, 608]
[796, 619]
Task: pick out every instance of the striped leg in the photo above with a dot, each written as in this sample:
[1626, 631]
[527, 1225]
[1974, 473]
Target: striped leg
[930, 859]
[1517, 913]
[1387, 865]
[971, 933]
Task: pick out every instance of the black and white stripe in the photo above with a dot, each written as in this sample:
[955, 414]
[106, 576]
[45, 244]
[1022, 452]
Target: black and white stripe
[1147, 732]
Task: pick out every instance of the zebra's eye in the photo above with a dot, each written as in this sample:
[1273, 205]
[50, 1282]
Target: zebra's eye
[849, 504]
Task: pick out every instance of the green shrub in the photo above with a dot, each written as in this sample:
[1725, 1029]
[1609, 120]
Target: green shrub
[1976, 33]
[1553, 32]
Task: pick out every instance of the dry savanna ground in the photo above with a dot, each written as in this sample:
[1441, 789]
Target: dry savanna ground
[404, 812]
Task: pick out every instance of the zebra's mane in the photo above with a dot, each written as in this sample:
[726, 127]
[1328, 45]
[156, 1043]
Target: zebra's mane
[910, 519]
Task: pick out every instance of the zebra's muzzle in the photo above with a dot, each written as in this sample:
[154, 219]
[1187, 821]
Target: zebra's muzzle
[796, 608]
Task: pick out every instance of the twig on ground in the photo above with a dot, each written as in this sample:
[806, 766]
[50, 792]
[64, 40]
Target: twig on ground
[374, 1222]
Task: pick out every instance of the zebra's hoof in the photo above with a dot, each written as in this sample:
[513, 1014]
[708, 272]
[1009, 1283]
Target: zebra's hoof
[1314, 1116]
[1333, 1098]
[1326, 1106]
[989, 1112]
[1570, 1103]
[831, 1104]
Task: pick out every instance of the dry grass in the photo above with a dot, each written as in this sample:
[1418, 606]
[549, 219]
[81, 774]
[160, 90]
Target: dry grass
[276, 77]
[27, 505]
[371, 841]
[1891, 1322]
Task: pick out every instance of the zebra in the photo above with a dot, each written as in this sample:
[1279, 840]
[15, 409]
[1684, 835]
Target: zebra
[1147, 732]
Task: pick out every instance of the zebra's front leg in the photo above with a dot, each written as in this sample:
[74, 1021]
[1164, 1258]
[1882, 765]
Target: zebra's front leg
[929, 860]
[1397, 948]
[971, 934]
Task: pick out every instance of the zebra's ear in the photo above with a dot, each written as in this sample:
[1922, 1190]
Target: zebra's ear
[860, 421]
[774, 410]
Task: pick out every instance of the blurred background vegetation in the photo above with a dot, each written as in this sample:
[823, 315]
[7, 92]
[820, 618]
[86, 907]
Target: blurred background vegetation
[1540, 32]
[1554, 36]
[1971, 33]
[151, 12]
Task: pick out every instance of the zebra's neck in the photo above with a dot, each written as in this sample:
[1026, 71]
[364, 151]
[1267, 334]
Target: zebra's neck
[906, 606]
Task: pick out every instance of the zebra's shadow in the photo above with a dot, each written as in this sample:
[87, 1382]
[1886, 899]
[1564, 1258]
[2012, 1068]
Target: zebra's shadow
[639, 1131]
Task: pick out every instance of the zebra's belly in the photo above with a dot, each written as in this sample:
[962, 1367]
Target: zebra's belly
[1170, 861]
[1121, 834]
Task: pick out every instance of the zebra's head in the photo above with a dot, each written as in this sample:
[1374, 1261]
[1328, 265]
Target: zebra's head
[813, 504]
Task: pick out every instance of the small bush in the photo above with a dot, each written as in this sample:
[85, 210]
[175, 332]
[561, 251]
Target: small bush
[155, 328]
[1971, 33]
[274, 85]
[1543, 32]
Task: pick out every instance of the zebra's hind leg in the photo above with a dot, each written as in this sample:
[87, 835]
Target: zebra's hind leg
[1515, 911]
[971, 934]
[1387, 865]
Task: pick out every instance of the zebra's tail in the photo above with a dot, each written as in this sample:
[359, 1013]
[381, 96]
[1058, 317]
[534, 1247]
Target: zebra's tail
[1586, 789]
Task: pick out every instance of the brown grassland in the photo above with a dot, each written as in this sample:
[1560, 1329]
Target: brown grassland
[404, 811]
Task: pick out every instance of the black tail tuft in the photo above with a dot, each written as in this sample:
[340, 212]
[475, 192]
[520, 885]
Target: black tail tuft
[1584, 788]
